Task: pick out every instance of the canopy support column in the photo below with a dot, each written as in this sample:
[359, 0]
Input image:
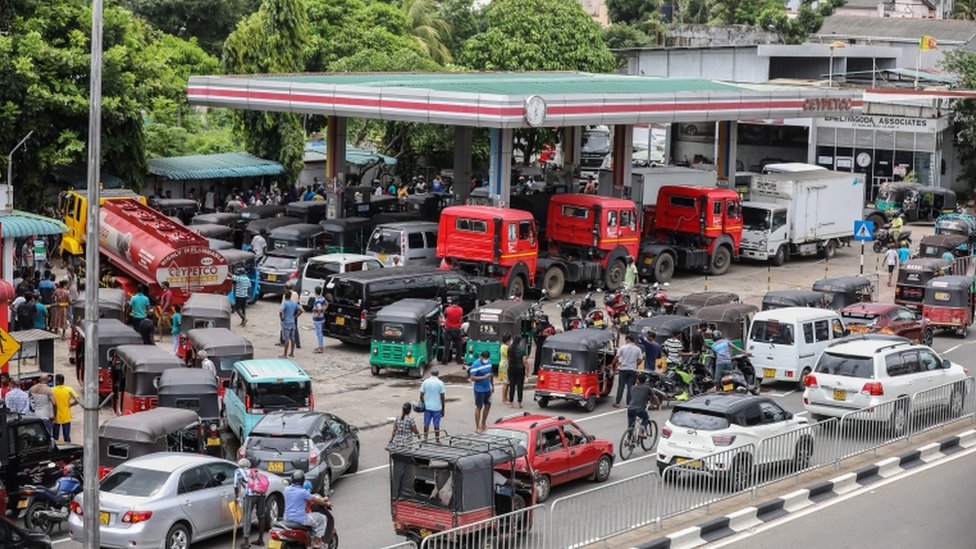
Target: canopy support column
[623, 152]
[500, 166]
[463, 139]
[335, 143]
[725, 148]
[571, 147]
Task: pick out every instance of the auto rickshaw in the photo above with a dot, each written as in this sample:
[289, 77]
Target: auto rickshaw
[216, 218]
[138, 368]
[437, 486]
[576, 366]
[664, 326]
[957, 223]
[489, 322]
[111, 334]
[937, 245]
[297, 235]
[158, 430]
[223, 348]
[254, 228]
[266, 211]
[732, 319]
[240, 258]
[182, 208]
[406, 335]
[112, 303]
[931, 203]
[689, 304]
[203, 311]
[777, 299]
[348, 235]
[948, 303]
[479, 197]
[842, 291]
[428, 205]
[307, 211]
[213, 230]
[913, 275]
[195, 390]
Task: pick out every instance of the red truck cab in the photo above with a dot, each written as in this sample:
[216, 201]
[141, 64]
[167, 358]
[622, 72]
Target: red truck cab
[490, 241]
[588, 240]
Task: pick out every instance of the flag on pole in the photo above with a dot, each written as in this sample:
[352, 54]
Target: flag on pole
[927, 43]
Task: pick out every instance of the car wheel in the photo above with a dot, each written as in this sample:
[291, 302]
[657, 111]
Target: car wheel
[603, 468]
[803, 375]
[721, 261]
[956, 402]
[178, 537]
[34, 522]
[516, 287]
[614, 277]
[275, 507]
[741, 475]
[590, 403]
[663, 268]
[543, 487]
[554, 282]
[927, 337]
[802, 454]
[898, 422]
[780, 258]
[353, 461]
[543, 402]
[373, 369]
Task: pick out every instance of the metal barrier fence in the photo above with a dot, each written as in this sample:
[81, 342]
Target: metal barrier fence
[402, 545]
[629, 504]
[942, 405]
[793, 452]
[698, 483]
[521, 529]
[871, 428]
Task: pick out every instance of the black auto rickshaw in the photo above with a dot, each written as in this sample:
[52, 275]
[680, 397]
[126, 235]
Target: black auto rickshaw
[479, 197]
[842, 291]
[428, 205]
[778, 299]
[948, 303]
[267, 211]
[732, 319]
[195, 389]
[213, 230]
[298, 235]
[216, 218]
[930, 203]
[182, 208]
[957, 223]
[450, 483]
[576, 366]
[348, 235]
[112, 303]
[939, 245]
[489, 322]
[407, 335]
[913, 275]
[223, 348]
[664, 326]
[253, 228]
[137, 369]
[111, 334]
[689, 304]
[307, 211]
[203, 311]
[158, 430]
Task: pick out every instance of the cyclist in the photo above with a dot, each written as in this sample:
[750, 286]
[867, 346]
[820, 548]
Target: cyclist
[640, 397]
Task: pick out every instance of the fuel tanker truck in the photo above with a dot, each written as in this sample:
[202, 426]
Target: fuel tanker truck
[146, 247]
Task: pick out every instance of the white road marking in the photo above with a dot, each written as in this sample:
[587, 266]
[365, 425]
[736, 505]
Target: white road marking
[781, 395]
[798, 414]
[370, 470]
[604, 414]
[61, 540]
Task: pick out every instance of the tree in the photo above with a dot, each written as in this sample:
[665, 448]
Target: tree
[429, 29]
[272, 40]
[631, 11]
[623, 35]
[962, 63]
[208, 21]
[808, 20]
[464, 19]
[964, 9]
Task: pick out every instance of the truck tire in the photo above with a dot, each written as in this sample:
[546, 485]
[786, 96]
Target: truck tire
[554, 282]
[721, 260]
[781, 257]
[878, 220]
[663, 268]
[516, 286]
[829, 249]
[613, 278]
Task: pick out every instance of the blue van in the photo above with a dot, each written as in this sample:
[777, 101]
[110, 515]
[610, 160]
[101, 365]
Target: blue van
[265, 385]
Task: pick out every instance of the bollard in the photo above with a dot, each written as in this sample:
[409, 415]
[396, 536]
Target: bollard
[769, 277]
[826, 268]
[706, 283]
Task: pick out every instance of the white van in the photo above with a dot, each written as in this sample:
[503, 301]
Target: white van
[319, 269]
[406, 243]
[785, 343]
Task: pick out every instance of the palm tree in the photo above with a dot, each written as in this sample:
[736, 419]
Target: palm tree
[429, 29]
[964, 9]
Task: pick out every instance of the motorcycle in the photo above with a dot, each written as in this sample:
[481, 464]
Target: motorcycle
[44, 508]
[291, 535]
[593, 317]
[741, 378]
[883, 238]
[657, 300]
[570, 314]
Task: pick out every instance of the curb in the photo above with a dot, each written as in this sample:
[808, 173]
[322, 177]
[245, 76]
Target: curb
[749, 517]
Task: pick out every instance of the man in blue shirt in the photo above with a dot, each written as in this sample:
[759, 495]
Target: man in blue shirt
[481, 376]
[723, 349]
[904, 252]
[290, 311]
[297, 497]
[432, 392]
[138, 305]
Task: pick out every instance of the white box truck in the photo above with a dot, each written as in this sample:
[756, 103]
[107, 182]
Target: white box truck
[800, 214]
[646, 182]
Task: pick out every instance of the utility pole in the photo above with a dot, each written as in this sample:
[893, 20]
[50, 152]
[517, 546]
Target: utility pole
[90, 324]
[10, 157]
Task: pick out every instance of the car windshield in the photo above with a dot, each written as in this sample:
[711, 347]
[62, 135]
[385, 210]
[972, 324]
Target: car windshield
[133, 481]
[846, 365]
[280, 262]
[699, 420]
[521, 437]
[384, 241]
[284, 394]
[756, 219]
[290, 443]
[859, 318]
[771, 331]
[322, 270]
[346, 291]
[596, 142]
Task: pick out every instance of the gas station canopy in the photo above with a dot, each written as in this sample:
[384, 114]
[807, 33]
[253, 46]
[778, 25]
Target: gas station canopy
[518, 100]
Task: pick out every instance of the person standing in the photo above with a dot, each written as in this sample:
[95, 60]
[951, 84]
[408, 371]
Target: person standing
[40, 253]
[165, 308]
[318, 318]
[891, 260]
[176, 323]
[517, 364]
[652, 349]
[904, 252]
[673, 348]
[251, 501]
[259, 244]
[40, 393]
[503, 366]
[292, 295]
[453, 318]
[242, 291]
[698, 340]
[72, 293]
[404, 428]
[206, 363]
[433, 395]
[138, 306]
[40, 315]
[59, 314]
[17, 399]
[46, 288]
[723, 348]
[289, 313]
[481, 376]
[147, 329]
[625, 366]
[64, 398]
[27, 257]
[630, 274]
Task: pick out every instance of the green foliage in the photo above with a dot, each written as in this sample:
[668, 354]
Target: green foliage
[964, 9]
[808, 20]
[537, 35]
[275, 39]
[632, 12]
[962, 63]
[429, 29]
[208, 21]
[464, 21]
[743, 12]
[625, 35]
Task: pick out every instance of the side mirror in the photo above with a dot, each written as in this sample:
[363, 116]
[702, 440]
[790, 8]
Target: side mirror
[946, 363]
[545, 293]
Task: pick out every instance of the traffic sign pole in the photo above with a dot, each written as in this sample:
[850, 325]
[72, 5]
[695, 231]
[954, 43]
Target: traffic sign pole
[862, 257]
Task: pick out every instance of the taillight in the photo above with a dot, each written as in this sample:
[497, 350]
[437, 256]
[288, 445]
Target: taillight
[810, 380]
[103, 471]
[274, 535]
[873, 388]
[313, 458]
[76, 508]
[135, 517]
[542, 378]
[362, 320]
[311, 401]
[293, 275]
[213, 429]
[247, 402]
[897, 291]
[666, 432]
[723, 440]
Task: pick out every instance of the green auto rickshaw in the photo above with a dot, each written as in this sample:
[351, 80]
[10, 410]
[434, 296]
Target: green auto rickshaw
[407, 335]
[488, 323]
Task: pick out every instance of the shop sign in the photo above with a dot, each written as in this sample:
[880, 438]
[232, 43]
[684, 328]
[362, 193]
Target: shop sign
[869, 122]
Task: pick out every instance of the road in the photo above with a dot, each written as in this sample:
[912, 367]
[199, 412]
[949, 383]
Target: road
[929, 508]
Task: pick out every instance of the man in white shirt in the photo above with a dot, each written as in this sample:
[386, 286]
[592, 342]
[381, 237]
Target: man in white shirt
[206, 363]
[259, 244]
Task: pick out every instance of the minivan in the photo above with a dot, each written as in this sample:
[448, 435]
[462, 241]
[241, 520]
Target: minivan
[321, 268]
[785, 343]
[264, 385]
[407, 243]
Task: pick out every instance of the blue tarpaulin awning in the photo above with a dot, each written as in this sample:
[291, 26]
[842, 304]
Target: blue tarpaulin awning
[213, 166]
[19, 224]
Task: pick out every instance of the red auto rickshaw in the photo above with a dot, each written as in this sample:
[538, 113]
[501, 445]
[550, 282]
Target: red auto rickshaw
[948, 303]
[203, 311]
[137, 369]
[576, 366]
[111, 334]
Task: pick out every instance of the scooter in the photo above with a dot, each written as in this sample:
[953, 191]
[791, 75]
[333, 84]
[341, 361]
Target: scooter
[741, 378]
[883, 238]
[570, 314]
[593, 317]
[291, 535]
[44, 508]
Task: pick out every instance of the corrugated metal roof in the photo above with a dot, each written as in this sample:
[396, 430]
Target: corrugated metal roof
[20, 224]
[315, 152]
[213, 166]
[943, 30]
[24, 336]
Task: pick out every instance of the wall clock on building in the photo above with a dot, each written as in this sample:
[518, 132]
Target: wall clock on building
[535, 111]
[863, 160]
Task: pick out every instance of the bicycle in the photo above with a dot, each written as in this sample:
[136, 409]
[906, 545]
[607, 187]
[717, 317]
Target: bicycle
[636, 435]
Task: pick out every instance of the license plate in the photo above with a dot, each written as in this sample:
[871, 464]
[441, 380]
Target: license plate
[409, 360]
[276, 467]
[274, 544]
[688, 464]
[648, 260]
[103, 517]
[578, 390]
[383, 257]
[22, 504]
[340, 321]
[598, 323]
[727, 387]
[840, 394]
[272, 278]
[769, 372]
[424, 533]
[213, 441]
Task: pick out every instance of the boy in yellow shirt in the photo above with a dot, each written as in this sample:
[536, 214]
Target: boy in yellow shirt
[64, 398]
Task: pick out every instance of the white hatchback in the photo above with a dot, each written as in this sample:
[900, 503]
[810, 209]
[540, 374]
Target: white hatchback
[321, 268]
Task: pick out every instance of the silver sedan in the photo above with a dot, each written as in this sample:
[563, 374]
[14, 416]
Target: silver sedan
[167, 500]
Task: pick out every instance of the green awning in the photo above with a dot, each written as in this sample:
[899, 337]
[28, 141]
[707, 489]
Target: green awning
[213, 166]
[20, 224]
[315, 152]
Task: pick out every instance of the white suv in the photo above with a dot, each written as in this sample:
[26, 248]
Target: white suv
[866, 371]
[713, 423]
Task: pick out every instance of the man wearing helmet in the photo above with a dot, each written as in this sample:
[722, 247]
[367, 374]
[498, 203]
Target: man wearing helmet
[297, 500]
